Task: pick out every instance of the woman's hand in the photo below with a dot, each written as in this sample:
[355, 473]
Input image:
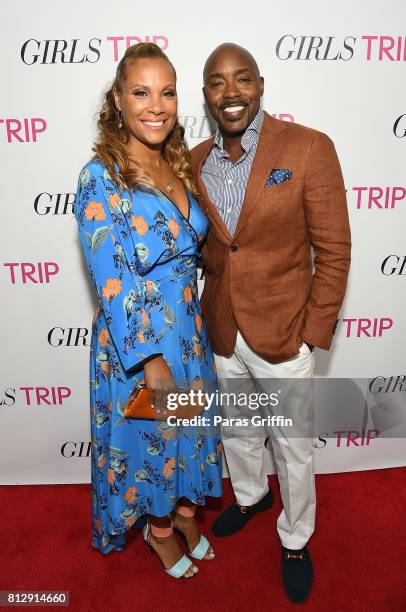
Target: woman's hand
[159, 380]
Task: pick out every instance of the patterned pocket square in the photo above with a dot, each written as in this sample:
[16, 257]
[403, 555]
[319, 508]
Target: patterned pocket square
[278, 176]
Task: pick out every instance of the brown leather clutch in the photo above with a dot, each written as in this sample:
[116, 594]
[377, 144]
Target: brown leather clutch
[139, 406]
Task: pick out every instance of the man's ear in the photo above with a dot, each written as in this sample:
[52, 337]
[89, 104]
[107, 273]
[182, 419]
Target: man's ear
[204, 93]
[261, 86]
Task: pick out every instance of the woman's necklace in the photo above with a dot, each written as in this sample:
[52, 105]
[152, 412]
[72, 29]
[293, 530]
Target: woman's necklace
[169, 187]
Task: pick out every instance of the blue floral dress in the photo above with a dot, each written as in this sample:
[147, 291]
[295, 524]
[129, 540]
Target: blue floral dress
[141, 253]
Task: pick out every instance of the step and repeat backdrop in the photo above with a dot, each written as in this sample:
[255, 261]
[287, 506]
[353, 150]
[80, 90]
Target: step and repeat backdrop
[338, 67]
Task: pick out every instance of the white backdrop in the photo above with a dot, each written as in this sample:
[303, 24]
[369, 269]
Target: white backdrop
[350, 85]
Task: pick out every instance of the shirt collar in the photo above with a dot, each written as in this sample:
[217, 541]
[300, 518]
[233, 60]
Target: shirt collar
[249, 138]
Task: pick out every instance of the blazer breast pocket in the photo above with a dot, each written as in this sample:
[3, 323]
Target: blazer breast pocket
[279, 193]
[277, 177]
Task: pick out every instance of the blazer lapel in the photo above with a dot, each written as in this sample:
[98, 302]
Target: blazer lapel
[270, 143]
[205, 203]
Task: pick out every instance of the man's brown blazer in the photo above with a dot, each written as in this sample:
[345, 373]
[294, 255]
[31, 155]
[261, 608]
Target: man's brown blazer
[262, 281]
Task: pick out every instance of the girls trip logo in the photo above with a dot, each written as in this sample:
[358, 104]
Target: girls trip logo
[372, 47]
[284, 117]
[76, 449]
[394, 265]
[54, 203]
[51, 396]
[200, 126]
[68, 336]
[36, 396]
[370, 328]
[399, 127]
[27, 272]
[77, 51]
[121, 43]
[379, 197]
[392, 48]
[388, 384]
[345, 438]
[22, 130]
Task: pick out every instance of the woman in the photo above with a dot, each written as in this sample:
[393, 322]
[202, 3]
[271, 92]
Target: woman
[140, 229]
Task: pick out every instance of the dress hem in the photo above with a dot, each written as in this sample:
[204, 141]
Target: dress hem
[120, 543]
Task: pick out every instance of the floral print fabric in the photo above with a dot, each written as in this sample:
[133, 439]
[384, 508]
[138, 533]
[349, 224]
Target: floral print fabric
[141, 254]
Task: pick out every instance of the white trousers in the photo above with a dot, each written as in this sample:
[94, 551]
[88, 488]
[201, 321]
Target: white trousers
[245, 453]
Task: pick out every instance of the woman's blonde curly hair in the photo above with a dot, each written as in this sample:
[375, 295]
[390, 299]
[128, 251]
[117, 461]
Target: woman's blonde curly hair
[111, 144]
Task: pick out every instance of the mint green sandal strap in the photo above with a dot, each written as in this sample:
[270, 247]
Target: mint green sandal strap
[201, 549]
[180, 568]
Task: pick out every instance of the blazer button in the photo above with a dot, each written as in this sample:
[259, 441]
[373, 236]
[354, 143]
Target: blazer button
[233, 248]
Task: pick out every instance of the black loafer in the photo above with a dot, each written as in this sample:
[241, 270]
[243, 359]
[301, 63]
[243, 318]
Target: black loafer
[235, 517]
[297, 574]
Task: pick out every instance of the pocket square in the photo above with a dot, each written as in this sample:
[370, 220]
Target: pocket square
[278, 176]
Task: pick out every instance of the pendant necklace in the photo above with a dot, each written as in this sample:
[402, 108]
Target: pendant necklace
[169, 187]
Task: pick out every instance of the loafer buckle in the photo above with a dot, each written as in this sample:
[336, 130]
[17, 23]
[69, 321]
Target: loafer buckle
[300, 556]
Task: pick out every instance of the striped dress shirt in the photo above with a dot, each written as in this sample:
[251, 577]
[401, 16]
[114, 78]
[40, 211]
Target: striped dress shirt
[225, 181]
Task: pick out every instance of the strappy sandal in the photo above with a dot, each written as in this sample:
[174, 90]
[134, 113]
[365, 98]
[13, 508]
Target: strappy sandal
[203, 546]
[182, 566]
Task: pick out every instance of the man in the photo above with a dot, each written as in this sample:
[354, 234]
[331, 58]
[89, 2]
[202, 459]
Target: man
[272, 190]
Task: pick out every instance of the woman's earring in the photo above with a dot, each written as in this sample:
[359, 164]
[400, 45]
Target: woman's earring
[120, 119]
